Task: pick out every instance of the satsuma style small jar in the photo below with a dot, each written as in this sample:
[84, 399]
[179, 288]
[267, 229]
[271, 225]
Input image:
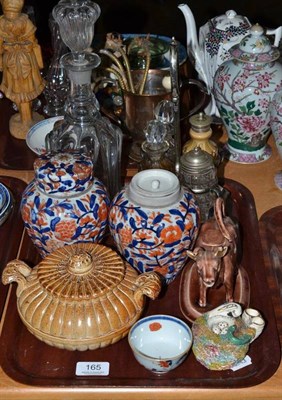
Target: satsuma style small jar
[65, 203]
[243, 89]
[153, 221]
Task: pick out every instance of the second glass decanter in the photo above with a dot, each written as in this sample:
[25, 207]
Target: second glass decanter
[57, 86]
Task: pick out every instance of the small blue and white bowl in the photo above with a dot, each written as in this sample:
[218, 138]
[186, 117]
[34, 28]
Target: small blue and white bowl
[160, 343]
[6, 203]
[35, 138]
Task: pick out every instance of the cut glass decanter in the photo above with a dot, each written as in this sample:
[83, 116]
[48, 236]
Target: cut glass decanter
[83, 128]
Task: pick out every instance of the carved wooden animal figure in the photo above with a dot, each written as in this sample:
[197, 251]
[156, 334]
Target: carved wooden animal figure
[215, 254]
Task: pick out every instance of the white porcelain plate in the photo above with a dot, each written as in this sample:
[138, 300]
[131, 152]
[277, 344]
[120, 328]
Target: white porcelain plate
[6, 203]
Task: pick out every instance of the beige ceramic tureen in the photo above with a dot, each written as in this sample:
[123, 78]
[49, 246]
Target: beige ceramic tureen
[82, 296]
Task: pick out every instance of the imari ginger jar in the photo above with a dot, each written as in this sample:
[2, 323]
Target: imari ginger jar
[65, 203]
[153, 221]
[243, 88]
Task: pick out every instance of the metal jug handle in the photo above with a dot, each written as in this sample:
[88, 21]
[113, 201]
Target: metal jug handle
[277, 34]
[185, 82]
[205, 96]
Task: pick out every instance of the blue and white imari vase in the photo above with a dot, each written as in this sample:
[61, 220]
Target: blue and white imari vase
[153, 221]
[65, 203]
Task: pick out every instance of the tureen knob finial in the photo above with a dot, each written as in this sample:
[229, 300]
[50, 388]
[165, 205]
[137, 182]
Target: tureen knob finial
[80, 264]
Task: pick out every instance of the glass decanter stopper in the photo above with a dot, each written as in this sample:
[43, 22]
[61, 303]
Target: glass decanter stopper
[155, 148]
[57, 81]
[76, 19]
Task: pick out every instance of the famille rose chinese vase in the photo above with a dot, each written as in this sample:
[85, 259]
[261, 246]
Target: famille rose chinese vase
[65, 203]
[153, 221]
[243, 88]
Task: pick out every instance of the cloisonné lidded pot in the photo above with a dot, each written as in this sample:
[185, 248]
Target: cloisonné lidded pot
[80, 297]
[243, 88]
[65, 203]
[153, 221]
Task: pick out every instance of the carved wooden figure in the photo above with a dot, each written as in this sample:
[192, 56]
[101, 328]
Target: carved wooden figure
[20, 61]
[215, 254]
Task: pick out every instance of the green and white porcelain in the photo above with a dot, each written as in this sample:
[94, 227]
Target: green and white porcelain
[243, 88]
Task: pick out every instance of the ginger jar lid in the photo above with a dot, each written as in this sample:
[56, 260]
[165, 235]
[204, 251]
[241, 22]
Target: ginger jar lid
[63, 174]
[255, 48]
[154, 188]
[231, 21]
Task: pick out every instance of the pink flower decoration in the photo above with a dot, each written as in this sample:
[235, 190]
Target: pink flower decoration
[250, 123]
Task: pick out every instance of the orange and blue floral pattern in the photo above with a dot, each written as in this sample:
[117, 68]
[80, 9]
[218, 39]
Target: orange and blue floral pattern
[64, 204]
[153, 239]
[160, 342]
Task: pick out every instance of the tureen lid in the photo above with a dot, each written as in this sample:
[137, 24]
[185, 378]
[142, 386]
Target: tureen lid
[230, 19]
[255, 47]
[63, 173]
[154, 188]
[81, 272]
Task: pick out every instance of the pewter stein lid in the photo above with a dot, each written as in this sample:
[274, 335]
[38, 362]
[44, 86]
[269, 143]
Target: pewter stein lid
[196, 160]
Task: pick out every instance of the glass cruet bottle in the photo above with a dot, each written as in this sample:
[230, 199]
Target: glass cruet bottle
[155, 147]
[164, 113]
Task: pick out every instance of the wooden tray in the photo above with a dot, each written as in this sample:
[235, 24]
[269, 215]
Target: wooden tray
[11, 231]
[27, 360]
[270, 228]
